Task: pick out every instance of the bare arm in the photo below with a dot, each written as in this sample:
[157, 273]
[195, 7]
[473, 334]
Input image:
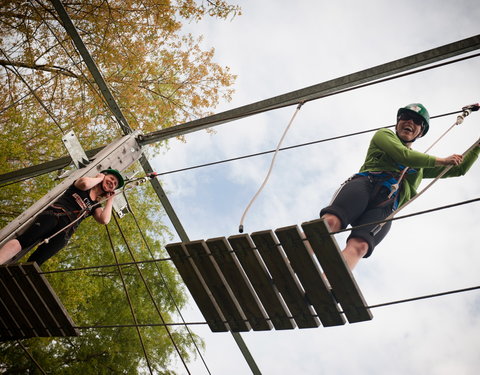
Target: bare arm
[103, 215]
[85, 183]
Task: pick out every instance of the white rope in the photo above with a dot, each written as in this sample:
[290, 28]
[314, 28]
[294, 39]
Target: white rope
[240, 228]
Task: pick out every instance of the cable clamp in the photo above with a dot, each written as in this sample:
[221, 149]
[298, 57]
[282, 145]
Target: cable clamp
[300, 104]
[472, 107]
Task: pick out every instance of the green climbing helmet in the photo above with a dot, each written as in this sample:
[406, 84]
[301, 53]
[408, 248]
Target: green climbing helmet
[420, 110]
[117, 174]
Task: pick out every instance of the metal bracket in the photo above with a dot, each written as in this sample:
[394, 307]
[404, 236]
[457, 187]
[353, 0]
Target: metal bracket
[120, 205]
[75, 149]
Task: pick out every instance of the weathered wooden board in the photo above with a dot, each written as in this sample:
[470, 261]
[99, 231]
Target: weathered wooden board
[308, 272]
[271, 280]
[220, 290]
[338, 274]
[239, 283]
[261, 280]
[197, 287]
[285, 279]
[29, 306]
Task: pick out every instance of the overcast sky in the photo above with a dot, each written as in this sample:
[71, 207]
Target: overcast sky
[280, 46]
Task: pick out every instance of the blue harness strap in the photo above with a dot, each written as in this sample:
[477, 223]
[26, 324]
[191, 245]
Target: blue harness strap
[388, 179]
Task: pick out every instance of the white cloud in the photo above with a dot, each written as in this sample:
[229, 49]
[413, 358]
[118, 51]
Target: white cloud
[279, 46]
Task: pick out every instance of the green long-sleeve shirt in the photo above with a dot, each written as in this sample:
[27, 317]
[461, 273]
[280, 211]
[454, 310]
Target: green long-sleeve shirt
[387, 153]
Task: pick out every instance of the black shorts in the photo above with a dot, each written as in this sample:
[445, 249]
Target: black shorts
[362, 200]
[45, 225]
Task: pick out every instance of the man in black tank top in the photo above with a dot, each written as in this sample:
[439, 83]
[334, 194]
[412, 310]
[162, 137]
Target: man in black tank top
[59, 220]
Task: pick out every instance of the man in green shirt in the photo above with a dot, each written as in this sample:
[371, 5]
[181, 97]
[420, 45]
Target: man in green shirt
[380, 188]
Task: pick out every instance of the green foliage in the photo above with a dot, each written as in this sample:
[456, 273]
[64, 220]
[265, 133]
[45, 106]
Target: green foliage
[96, 297]
[160, 77]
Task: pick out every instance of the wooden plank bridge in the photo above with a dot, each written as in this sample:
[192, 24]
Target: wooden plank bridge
[270, 280]
[28, 305]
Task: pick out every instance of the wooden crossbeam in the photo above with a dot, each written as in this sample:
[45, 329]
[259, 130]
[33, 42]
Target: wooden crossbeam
[29, 306]
[270, 279]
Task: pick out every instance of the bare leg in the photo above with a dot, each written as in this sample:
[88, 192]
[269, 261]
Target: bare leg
[354, 251]
[10, 249]
[356, 247]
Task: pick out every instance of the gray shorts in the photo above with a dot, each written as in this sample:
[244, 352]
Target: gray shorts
[362, 200]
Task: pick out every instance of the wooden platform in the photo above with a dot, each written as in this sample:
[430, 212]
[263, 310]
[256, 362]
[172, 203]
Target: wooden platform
[28, 305]
[270, 280]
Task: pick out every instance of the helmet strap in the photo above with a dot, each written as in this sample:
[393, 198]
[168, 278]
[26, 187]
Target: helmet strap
[413, 140]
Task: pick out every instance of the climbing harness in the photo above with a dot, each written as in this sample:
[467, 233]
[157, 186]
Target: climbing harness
[83, 213]
[240, 228]
[467, 110]
[389, 180]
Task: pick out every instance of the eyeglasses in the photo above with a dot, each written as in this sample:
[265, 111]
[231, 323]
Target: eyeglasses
[407, 116]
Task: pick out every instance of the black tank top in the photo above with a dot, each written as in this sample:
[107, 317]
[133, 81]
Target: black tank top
[75, 201]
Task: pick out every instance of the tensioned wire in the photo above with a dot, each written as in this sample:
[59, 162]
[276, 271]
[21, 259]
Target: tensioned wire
[164, 281]
[344, 90]
[40, 101]
[15, 102]
[147, 288]
[259, 153]
[329, 234]
[146, 357]
[85, 78]
[125, 240]
[29, 355]
[291, 147]
[129, 301]
[326, 95]
[390, 303]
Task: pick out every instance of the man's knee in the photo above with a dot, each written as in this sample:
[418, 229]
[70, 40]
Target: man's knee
[358, 246]
[334, 223]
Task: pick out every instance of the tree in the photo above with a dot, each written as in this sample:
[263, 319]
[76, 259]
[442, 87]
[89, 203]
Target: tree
[160, 77]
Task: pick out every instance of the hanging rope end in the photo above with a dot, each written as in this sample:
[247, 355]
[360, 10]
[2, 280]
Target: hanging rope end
[240, 229]
[300, 104]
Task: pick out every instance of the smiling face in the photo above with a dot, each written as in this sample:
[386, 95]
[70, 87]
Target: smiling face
[109, 183]
[409, 127]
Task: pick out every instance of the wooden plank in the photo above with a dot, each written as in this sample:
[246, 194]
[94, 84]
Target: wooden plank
[32, 286]
[240, 285]
[217, 285]
[285, 279]
[37, 303]
[9, 327]
[5, 332]
[257, 273]
[338, 274]
[29, 306]
[48, 295]
[309, 274]
[196, 286]
[20, 308]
